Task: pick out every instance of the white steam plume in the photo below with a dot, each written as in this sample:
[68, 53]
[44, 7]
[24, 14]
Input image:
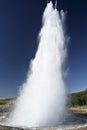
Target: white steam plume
[42, 101]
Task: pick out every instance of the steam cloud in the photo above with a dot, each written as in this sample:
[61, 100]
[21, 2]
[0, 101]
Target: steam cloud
[42, 100]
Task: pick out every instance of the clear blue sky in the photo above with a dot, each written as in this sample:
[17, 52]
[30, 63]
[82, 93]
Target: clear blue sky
[20, 22]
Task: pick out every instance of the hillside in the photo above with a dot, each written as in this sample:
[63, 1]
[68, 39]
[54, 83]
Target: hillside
[78, 99]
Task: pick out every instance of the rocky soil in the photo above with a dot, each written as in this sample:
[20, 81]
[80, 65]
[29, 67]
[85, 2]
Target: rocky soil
[40, 128]
[78, 111]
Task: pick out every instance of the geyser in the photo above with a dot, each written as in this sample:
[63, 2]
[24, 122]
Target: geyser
[42, 100]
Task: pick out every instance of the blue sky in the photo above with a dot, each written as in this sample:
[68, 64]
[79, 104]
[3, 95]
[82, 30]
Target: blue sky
[20, 22]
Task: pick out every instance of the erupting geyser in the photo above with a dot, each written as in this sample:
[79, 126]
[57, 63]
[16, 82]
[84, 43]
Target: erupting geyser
[42, 100]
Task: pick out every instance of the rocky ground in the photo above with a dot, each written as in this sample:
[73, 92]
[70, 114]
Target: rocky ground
[40, 128]
[78, 110]
[5, 107]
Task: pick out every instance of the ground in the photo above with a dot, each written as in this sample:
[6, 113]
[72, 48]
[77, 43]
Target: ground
[5, 104]
[82, 110]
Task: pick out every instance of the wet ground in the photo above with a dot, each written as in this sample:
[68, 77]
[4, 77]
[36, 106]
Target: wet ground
[43, 128]
[72, 122]
[76, 120]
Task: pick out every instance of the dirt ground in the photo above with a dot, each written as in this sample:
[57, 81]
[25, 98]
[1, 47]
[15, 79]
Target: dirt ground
[78, 110]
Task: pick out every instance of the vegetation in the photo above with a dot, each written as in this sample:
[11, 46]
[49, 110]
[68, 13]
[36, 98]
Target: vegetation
[4, 101]
[78, 99]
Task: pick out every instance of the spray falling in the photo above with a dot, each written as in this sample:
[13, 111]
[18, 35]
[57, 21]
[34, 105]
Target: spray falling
[42, 101]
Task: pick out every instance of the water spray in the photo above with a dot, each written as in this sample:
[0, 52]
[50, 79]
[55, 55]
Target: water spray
[42, 100]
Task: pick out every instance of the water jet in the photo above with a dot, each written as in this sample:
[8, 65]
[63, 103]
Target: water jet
[42, 100]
